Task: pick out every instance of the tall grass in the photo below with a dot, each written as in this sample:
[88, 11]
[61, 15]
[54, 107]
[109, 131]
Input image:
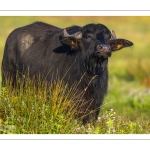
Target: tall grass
[26, 111]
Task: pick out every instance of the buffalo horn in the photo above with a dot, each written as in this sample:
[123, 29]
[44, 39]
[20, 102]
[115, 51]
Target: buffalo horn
[113, 35]
[77, 35]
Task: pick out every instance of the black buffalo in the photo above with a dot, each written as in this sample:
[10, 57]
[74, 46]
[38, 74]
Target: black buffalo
[74, 54]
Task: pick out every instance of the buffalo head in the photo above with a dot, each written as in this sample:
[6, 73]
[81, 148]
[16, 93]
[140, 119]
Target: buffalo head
[95, 40]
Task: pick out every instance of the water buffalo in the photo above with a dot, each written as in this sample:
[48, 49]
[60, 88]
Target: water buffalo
[74, 54]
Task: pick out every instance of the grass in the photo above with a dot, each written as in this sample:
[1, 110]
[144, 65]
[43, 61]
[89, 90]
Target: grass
[27, 111]
[126, 108]
[24, 111]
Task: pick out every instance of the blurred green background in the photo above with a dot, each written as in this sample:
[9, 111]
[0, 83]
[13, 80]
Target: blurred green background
[129, 69]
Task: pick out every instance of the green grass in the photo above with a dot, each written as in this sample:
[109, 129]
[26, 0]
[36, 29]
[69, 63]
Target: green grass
[27, 111]
[24, 111]
[126, 108]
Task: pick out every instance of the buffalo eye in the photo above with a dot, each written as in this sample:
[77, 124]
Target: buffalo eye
[88, 36]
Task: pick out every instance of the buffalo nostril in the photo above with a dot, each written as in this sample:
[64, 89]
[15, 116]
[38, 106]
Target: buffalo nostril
[99, 47]
[103, 47]
[103, 50]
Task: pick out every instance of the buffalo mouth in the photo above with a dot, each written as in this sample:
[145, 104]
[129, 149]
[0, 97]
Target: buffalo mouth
[102, 55]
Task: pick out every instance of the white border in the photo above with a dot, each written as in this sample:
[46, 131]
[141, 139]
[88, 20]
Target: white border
[75, 142]
[75, 5]
[74, 145]
[75, 13]
[75, 137]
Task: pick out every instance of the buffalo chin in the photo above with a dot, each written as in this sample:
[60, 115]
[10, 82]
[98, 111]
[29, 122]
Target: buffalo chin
[102, 56]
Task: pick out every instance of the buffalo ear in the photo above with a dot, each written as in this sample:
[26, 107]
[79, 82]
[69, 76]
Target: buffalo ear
[117, 44]
[73, 42]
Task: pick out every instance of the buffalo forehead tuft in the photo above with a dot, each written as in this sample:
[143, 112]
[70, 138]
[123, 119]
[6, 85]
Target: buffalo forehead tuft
[96, 27]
